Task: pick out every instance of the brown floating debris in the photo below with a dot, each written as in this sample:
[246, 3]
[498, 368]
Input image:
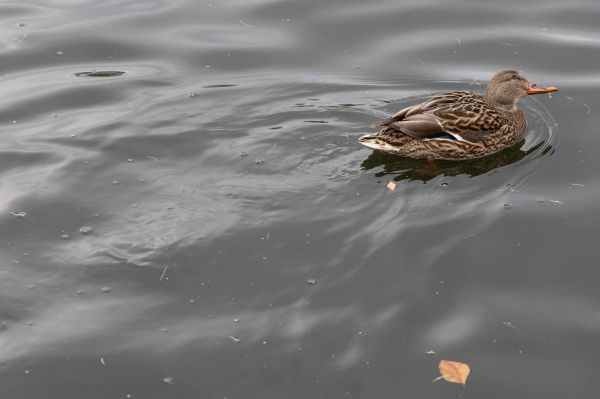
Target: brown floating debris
[455, 372]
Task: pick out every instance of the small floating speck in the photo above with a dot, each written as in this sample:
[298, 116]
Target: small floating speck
[19, 214]
[129, 159]
[236, 320]
[65, 236]
[169, 380]
[20, 24]
[85, 230]
[444, 184]
[99, 74]
[507, 206]
[106, 289]
[391, 185]
[259, 161]
[286, 20]
[556, 202]
[115, 182]
[276, 128]
[243, 154]
[192, 94]
[311, 281]
[59, 53]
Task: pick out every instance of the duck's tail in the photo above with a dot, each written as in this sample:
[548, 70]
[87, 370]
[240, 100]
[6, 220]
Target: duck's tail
[375, 142]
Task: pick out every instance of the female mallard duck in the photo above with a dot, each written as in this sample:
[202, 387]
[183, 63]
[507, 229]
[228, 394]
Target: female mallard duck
[459, 124]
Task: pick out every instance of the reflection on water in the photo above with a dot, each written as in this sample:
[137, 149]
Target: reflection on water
[241, 242]
[418, 169]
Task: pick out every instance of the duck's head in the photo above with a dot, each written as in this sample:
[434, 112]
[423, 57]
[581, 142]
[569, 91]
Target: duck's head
[506, 88]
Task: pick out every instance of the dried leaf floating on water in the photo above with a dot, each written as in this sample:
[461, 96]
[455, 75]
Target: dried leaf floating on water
[455, 372]
[391, 185]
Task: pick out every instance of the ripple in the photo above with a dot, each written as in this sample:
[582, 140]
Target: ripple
[172, 182]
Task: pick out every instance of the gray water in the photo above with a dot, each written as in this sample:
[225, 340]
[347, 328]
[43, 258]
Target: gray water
[187, 213]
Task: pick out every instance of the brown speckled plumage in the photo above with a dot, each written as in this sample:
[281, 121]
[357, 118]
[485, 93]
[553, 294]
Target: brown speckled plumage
[459, 124]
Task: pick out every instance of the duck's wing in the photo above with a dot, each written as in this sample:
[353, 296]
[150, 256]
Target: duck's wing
[459, 115]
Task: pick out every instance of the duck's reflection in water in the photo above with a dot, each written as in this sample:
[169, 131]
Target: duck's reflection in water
[424, 170]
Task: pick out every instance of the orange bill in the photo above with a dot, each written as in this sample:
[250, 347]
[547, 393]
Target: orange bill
[540, 90]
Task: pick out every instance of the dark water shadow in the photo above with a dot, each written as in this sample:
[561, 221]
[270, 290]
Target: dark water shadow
[99, 74]
[420, 169]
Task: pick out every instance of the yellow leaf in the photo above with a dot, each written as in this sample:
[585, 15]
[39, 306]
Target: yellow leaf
[391, 185]
[454, 371]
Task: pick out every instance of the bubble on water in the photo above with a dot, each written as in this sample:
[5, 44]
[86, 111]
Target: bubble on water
[243, 154]
[236, 320]
[259, 161]
[129, 159]
[86, 162]
[106, 289]
[169, 380]
[115, 182]
[311, 281]
[65, 236]
[507, 206]
[19, 214]
[85, 230]
[286, 20]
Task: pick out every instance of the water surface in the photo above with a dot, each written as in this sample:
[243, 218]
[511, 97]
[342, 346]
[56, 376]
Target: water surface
[186, 211]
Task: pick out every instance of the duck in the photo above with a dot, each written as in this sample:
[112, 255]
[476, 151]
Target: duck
[459, 125]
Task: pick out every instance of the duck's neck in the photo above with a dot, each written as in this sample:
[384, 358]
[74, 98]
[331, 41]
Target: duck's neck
[502, 103]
